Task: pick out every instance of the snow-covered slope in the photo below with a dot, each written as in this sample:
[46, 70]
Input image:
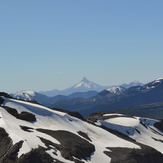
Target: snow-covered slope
[154, 84]
[25, 95]
[142, 130]
[116, 90]
[33, 133]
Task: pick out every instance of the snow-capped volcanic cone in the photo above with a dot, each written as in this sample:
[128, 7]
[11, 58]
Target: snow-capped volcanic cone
[83, 86]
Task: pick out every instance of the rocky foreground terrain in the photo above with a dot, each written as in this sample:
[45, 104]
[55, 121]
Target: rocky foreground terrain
[32, 133]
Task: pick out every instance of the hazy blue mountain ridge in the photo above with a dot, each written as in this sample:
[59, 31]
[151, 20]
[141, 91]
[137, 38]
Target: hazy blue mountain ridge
[151, 92]
[84, 86]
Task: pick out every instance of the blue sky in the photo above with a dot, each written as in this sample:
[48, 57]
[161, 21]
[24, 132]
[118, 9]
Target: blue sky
[52, 44]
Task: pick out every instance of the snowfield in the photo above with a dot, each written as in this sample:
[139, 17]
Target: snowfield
[140, 129]
[42, 133]
[55, 120]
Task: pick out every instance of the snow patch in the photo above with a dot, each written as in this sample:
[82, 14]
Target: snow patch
[140, 129]
[113, 114]
[116, 90]
[55, 120]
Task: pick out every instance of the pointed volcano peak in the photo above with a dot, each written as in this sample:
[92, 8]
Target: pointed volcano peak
[85, 79]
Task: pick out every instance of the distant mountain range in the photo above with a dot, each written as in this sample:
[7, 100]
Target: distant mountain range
[50, 101]
[85, 86]
[30, 132]
[85, 89]
[132, 84]
[117, 98]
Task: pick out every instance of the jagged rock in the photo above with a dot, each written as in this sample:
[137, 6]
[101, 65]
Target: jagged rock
[25, 128]
[71, 144]
[159, 125]
[27, 116]
[5, 95]
[5, 142]
[23, 115]
[126, 155]
[12, 153]
[1, 100]
[76, 114]
[36, 156]
[84, 135]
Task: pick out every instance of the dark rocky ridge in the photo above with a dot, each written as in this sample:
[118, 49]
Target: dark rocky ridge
[76, 114]
[126, 155]
[37, 155]
[84, 135]
[5, 95]
[25, 128]
[12, 154]
[159, 125]
[1, 100]
[5, 142]
[23, 115]
[71, 144]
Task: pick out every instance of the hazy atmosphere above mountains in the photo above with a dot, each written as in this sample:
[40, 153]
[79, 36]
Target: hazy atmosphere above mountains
[48, 45]
[81, 81]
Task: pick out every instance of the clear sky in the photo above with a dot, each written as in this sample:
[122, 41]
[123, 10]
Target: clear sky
[52, 44]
